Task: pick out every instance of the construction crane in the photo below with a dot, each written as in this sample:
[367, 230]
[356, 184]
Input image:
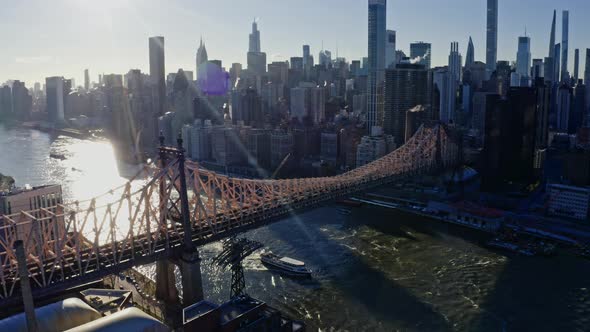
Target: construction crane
[231, 256]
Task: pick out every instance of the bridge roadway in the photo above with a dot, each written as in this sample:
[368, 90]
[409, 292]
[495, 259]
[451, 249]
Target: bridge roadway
[84, 264]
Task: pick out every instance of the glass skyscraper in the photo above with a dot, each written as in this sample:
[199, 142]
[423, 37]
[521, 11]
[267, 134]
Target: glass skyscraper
[492, 37]
[377, 38]
[420, 52]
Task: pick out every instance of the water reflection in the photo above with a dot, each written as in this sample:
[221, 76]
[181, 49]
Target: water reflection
[90, 167]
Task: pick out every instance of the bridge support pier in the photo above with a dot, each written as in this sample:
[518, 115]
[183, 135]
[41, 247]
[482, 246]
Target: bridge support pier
[166, 282]
[192, 283]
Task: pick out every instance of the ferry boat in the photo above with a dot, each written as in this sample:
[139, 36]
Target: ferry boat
[289, 265]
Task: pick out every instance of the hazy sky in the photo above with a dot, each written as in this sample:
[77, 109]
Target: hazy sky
[43, 38]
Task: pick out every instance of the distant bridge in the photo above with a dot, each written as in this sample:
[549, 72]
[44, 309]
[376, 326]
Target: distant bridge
[180, 208]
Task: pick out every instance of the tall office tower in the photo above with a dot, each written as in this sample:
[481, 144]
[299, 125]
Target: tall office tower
[550, 59]
[538, 67]
[325, 58]
[455, 61]
[564, 99]
[390, 49]
[421, 53]
[557, 61]
[578, 110]
[543, 92]
[587, 84]
[86, 80]
[158, 72]
[255, 58]
[307, 61]
[470, 57]
[523, 60]
[54, 90]
[22, 102]
[576, 65]
[317, 105]
[5, 102]
[37, 89]
[254, 45]
[492, 37]
[454, 76]
[564, 44]
[406, 86]
[296, 63]
[202, 59]
[377, 33]
[235, 72]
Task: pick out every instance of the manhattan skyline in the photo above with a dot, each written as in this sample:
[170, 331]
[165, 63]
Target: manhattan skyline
[117, 32]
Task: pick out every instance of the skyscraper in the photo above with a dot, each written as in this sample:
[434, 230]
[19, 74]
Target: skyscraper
[455, 61]
[492, 37]
[54, 89]
[255, 58]
[325, 58]
[537, 71]
[377, 33]
[390, 49]
[307, 61]
[86, 80]
[587, 84]
[552, 36]
[158, 72]
[564, 44]
[523, 60]
[421, 53]
[406, 86]
[202, 58]
[550, 60]
[557, 61]
[470, 57]
[254, 45]
[447, 115]
[576, 65]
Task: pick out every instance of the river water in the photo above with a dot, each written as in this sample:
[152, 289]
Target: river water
[373, 270]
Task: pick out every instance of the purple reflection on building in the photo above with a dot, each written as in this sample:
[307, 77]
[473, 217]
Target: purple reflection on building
[213, 80]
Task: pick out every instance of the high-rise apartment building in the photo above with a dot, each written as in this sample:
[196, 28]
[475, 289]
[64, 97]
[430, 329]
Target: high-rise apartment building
[564, 44]
[492, 36]
[550, 62]
[576, 65]
[376, 62]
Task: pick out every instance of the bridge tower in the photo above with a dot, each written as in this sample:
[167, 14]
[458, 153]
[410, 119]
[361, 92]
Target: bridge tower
[189, 261]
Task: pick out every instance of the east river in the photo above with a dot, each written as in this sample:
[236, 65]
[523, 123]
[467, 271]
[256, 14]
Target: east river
[373, 270]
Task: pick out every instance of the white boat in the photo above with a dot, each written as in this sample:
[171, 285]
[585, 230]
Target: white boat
[289, 265]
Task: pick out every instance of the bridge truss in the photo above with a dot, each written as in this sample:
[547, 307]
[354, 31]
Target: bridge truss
[181, 206]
